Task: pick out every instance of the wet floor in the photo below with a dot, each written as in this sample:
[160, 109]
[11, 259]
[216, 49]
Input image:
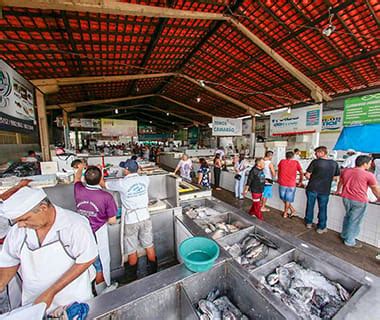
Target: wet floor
[363, 258]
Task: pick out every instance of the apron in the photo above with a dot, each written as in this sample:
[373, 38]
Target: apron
[104, 252]
[43, 266]
[122, 227]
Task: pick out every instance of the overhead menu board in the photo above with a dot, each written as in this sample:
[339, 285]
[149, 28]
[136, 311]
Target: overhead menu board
[332, 121]
[362, 110]
[226, 127]
[119, 128]
[302, 120]
[16, 101]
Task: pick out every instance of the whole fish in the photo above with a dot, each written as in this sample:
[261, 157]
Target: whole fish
[229, 315]
[228, 305]
[218, 234]
[329, 310]
[265, 240]
[210, 309]
[343, 293]
[211, 227]
[283, 277]
[221, 226]
[250, 243]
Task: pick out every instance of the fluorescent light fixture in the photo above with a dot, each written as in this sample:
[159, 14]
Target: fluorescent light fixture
[267, 113]
[116, 111]
[245, 117]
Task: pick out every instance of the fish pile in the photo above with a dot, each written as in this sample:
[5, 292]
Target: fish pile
[308, 293]
[201, 212]
[220, 229]
[217, 307]
[251, 249]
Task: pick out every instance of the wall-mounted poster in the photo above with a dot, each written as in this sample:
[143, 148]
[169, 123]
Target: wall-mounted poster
[226, 127]
[119, 128]
[332, 121]
[302, 120]
[362, 110]
[16, 101]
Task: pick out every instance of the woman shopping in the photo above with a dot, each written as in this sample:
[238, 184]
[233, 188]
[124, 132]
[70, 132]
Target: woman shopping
[240, 167]
[204, 174]
[217, 171]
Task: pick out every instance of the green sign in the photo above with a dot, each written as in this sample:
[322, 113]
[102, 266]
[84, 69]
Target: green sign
[362, 110]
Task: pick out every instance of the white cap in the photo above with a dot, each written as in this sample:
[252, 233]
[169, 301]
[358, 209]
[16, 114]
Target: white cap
[21, 202]
[351, 151]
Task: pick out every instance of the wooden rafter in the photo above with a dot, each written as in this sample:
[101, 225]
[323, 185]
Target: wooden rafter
[112, 7]
[186, 106]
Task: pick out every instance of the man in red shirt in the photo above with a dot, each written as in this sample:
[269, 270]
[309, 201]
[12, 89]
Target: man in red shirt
[287, 176]
[353, 186]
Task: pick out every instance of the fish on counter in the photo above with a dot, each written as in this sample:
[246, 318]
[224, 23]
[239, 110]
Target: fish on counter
[217, 307]
[218, 230]
[200, 212]
[251, 249]
[308, 293]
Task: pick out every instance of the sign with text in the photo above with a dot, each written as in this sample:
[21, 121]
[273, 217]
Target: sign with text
[332, 121]
[226, 127]
[119, 128]
[16, 101]
[362, 110]
[302, 120]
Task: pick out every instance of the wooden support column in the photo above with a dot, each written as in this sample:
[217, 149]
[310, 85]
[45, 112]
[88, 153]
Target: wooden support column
[42, 125]
[18, 138]
[253, 136]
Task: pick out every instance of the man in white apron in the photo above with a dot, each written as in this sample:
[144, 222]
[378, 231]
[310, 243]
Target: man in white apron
[136, 224]
[52, 248]
[99, 207]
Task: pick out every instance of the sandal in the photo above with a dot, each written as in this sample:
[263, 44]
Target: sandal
[292, 214]
[285, 215]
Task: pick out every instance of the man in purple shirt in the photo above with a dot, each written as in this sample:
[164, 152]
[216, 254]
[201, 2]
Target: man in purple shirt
[100, 208]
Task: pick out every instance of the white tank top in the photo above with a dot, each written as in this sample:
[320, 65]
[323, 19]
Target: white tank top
[267, 173]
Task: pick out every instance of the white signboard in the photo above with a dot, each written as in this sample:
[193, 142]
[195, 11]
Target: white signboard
[332, 121]
[226, 127]
[302, 120]
[247, 126]
[16, 101]
[119, 128]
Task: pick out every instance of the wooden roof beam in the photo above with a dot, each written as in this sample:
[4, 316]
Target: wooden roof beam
[112, 7]
[95, 102]
[40, 83]
[317, 93]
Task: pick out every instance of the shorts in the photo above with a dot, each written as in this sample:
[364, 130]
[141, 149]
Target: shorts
[138, 233]
[267, 193]
[287, 194]
[98, 265]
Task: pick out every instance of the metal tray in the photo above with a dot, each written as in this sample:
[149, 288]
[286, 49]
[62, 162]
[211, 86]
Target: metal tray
[169, 303]
[228, 279]
[354, 286]
[231, 239]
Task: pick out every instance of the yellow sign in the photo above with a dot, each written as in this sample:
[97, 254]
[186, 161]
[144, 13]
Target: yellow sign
[119, 128]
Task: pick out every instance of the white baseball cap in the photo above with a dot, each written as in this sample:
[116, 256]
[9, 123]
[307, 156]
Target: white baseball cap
[21, 202]
[351, 151]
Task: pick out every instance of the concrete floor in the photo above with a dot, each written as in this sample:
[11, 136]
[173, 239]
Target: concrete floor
[363, 258]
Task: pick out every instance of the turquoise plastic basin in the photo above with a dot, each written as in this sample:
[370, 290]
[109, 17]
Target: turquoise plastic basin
[199, 253]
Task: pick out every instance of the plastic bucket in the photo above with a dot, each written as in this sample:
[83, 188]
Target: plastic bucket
[199, 253]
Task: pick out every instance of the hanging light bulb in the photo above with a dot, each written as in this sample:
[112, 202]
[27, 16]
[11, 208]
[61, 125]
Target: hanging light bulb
[116, 111]
[202, 83]
[150, 121]
[137, 89]
[289, 110]
[330, 28]
[198, 99]
[168, 114]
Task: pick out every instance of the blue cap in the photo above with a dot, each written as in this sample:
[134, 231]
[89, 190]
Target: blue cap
[130, 165]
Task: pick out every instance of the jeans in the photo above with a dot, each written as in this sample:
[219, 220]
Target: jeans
[256, 206]
[239, 187]
[217, 172]
[355, 212]
[323, 200]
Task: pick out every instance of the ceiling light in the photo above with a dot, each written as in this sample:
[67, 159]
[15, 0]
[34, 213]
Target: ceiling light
[168, 114]
[267, 113]
[150, 121]
[198, 99]
[330, 28]
[245, 117]
[116, 111]
[173, 122]
[289, 110]
[202, 83]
